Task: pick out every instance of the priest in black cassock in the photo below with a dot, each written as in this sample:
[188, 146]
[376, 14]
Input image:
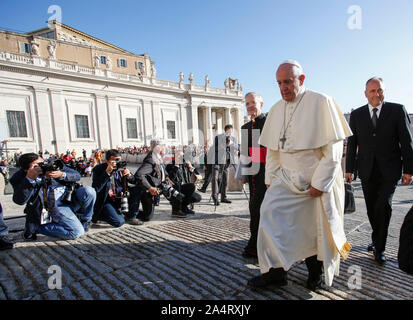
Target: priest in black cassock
[252, 165]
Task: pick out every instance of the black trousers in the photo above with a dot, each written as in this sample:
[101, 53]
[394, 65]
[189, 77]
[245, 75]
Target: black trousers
[188, 189]
[257, 193]
[148, 205]
[219, 180]
[208, 176]
[378, 196]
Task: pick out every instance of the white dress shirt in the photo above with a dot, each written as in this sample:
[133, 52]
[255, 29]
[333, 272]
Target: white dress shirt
[378, 110]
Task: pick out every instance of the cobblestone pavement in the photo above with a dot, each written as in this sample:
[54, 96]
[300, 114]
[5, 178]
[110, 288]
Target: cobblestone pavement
[196, 258]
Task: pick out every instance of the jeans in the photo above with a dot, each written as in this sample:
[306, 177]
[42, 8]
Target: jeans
[4, 231]
[112, 216]
[84, 200]
[134, 202]
[69, 226]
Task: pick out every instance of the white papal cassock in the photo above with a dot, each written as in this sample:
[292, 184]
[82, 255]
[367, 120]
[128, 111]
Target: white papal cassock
[294, 225]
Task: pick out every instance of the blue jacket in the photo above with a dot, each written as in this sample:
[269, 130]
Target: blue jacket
[24, 192]
[101, 182]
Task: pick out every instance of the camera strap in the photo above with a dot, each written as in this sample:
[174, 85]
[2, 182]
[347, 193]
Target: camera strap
[48, 199]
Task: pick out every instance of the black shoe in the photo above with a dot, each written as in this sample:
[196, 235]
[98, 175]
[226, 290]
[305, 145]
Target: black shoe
[275, 277]
[188, 211]
[314, 282]
[140, 216]
[5, 244]
[28, 236]
[178, 214]
[225, 200]
[371, 248]
[202, 190]
[216, 202]
[380, 258]
[134, 222]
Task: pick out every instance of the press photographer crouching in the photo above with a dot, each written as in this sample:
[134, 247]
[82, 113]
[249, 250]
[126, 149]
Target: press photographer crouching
[52, 196]
[180, 172]
[154, 180]
[115, 201]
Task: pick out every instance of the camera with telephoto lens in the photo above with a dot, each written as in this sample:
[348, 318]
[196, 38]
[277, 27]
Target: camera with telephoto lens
[56, 165]
[120, 164]
[68, 195]
[124, 205]
[169, 192]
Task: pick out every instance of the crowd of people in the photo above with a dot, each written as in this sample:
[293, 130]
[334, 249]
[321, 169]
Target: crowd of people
[292, 161]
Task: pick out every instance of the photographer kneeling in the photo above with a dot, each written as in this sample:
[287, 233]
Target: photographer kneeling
[52, 197]
[114, 197]
[179, 172]
[154, 180]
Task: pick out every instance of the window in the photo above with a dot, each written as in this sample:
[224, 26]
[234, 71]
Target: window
[170, 127]
[122, 63]
[26, 48]
[103, 60]
[82, 126]
[17, 124]
[139, 65]
[131, 128]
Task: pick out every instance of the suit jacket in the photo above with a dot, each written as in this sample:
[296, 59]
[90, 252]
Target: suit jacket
[24, 190]
[179, 174]
[389, 145]
[219, 154]
[146, 176]
[101, 182]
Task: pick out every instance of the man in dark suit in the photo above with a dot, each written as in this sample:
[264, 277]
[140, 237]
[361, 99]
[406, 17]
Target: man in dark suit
[222, 154]
[152, 177]
[44, 193]
[108, 181]
[253, 169]
[382, 145]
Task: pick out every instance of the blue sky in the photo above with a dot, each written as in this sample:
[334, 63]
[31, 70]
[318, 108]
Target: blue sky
[247, 39]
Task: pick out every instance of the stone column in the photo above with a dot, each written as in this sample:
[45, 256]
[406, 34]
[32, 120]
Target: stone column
[59, 126]
[209, 131]
[115, 132]
[103, 130]
[183, 125]
[194, 122]
[240, 120]
[147, 122]
[228, 118]
[158, 130]
[44, 119]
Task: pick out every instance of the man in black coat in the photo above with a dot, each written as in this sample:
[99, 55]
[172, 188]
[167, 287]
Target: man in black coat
[253, 170]
[108, 181]
[382, 144]
[153, 179]
[179, 172]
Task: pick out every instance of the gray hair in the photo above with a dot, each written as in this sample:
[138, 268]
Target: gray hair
[296, 67]
[258, 97]
[376, 79]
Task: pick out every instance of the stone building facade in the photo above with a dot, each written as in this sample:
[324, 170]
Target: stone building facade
[61, 89]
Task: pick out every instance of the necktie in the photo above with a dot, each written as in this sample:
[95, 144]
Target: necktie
[374, 118]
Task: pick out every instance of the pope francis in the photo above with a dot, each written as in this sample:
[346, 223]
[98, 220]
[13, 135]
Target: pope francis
[302, 212]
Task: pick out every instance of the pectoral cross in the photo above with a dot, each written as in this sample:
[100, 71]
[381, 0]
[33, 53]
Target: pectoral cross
[283, 140]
